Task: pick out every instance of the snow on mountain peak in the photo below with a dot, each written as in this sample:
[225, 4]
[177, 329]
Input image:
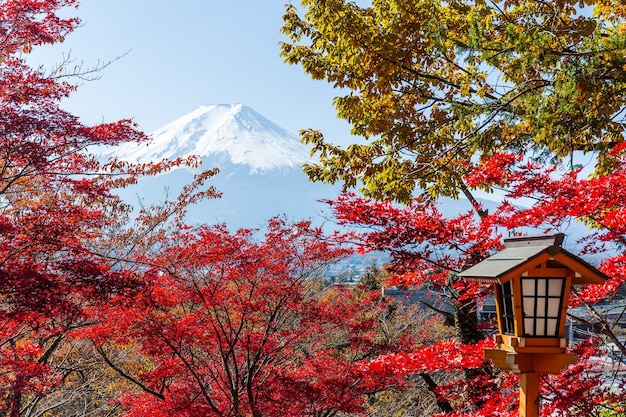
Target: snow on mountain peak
[218, 130]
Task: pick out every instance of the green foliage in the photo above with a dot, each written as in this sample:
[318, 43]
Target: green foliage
[613, 410]
[433, 85]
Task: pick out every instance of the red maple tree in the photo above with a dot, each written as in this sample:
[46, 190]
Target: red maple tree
[428, 248]
[238, 327]
[225, 325]
[55, 207]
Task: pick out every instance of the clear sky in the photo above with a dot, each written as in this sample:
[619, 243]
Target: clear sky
[187, 53]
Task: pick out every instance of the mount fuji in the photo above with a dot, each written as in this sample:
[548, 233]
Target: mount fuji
[260, 168]
[223, 133]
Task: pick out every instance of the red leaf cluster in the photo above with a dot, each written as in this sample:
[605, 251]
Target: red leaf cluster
[55, 205]
[233, 328]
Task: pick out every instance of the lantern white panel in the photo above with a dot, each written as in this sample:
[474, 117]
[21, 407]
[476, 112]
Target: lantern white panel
[552, 327]
[529, 326]
[528, 287]
[554, 305]
[529, 306]
[541, 287]
[540, 327]
[541, 307]
[555, 287]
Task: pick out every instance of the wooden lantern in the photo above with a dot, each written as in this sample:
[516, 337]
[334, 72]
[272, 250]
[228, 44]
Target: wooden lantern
[532, 279]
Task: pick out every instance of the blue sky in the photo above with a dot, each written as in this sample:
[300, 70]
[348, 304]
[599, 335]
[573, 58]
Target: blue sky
[188, 53]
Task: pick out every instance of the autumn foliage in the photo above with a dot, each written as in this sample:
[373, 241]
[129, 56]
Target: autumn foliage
[234, 327]
[56, 207]
[520, 99]
[428, 252]
[104, 311]
[104, 314]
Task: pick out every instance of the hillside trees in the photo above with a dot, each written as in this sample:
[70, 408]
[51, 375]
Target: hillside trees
[427, 249]
[458, 97]
[238, 327]
[102, 314]
[56, 208]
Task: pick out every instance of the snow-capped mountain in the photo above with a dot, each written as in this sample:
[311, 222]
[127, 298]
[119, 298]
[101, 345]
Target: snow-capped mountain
[224, 133]
[260, 167]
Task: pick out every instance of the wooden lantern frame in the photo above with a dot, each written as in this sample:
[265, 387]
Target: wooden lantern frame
[522, 346]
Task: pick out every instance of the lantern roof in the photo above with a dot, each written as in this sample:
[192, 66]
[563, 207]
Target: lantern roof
[522, 253]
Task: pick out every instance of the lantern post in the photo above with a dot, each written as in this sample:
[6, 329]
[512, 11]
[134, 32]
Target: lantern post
[532, 279]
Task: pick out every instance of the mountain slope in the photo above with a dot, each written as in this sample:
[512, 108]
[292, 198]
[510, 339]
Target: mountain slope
[223, 133]
[260, 167]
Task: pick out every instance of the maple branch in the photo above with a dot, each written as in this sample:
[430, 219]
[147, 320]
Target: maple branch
[470, 196]
[226, 355]
[124, 375]
[442, 403]
[57, 71]
[46, 355]
[448, 317]
[193, 372]
[411, 256]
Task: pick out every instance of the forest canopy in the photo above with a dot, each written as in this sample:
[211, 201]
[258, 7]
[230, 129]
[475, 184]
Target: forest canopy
[435, 86]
